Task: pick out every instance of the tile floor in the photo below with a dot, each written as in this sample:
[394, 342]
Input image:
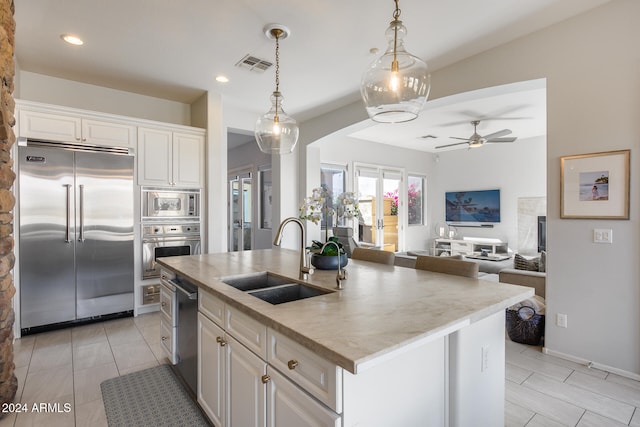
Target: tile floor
[67, 367]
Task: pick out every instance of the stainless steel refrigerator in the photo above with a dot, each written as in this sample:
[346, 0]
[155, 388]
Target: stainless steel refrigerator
[76, 235]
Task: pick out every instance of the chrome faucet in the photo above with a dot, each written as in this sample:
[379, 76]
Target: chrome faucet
[305, 269]
[342, 274]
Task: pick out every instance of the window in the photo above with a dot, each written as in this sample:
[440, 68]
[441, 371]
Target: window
[334, 179]
[415, 200]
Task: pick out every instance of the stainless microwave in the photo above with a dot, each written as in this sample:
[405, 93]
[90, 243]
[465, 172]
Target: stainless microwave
[161, 203]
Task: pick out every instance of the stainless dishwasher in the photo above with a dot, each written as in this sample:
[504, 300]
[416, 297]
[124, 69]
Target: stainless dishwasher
[184, 297]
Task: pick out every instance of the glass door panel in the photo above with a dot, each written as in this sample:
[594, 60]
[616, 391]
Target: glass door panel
[240, 213]
[391, 207]
[368, 226]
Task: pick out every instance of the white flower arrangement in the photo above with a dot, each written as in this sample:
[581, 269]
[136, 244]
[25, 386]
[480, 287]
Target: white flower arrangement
[313, 208]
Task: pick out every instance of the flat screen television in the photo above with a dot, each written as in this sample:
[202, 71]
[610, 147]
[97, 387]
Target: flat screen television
[479, 207]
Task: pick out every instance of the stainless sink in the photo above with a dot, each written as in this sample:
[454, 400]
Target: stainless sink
[288, 293]
[250, 282]
[272, 288]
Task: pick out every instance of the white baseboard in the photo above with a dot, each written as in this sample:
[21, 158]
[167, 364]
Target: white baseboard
[592, 364]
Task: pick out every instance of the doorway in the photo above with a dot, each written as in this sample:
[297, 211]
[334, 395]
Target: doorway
[379, 191]
[240, 211]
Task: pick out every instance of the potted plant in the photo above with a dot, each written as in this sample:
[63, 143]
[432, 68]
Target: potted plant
[314, 208]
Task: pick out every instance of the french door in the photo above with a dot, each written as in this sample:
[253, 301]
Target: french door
[240, 212]
[379, 193]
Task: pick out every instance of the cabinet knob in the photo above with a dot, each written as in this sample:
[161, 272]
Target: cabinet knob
[292, 364]
[77, 138]
[164, 338]
[164, 304]
[265, 379]
[221, 341]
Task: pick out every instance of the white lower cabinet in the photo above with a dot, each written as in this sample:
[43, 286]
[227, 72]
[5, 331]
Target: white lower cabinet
[236, 386]
[289, 406]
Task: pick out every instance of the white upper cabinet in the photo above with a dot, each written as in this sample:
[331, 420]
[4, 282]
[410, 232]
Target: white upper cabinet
[68, 127]
[167, 158]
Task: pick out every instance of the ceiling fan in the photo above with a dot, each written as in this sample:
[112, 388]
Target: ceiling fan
[477, 140]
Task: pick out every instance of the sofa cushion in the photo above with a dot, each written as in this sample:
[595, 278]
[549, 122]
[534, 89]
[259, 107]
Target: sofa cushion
[522, 263]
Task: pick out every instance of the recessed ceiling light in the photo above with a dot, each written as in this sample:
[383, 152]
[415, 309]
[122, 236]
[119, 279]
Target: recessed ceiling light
[222, 79]
[71, 39]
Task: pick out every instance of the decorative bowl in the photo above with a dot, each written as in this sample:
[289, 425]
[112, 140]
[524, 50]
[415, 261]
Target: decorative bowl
[328, 262]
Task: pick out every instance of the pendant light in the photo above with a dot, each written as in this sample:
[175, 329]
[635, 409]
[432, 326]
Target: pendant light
[276, 132]
[395, 86]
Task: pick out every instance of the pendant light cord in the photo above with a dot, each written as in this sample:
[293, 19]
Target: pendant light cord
[396, 22]
[277, 33]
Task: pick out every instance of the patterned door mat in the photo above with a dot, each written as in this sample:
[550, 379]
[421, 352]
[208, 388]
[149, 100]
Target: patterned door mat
[152, 397]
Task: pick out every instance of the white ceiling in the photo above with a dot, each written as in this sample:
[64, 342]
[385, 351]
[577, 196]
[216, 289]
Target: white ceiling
[174, 50]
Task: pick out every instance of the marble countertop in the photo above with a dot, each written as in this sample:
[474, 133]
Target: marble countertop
[381, 310]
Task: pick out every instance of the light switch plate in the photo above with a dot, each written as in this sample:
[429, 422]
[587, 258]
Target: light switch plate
[602, 235]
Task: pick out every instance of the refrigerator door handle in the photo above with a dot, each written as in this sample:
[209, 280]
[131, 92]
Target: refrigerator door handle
[81, 232]
[67, 238]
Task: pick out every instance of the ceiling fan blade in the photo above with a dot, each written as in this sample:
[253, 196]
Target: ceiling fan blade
[455, 137]
[498, 134]
[451, 145]
[510, 139]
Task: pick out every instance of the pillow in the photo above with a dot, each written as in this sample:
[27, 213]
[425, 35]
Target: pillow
[543, 262]
[521, 263]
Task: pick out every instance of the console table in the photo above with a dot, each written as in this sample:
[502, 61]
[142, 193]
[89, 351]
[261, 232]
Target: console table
[468, 247]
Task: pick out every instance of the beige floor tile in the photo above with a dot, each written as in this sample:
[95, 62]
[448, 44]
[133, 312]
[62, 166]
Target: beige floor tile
[51, 356]
[618, 379]
[589, 419]
[542, 421]
[543, 404]
[132, 354]
[49, 385]
[635, 420]
[148, 319]
[89, 355]
[88, 334]
[621, 392]
[53, 338]
[86, 384]
[21, 375]
[125, 322]
[516, 374]
[516, 416]
[124, 335]
[582, 398]
[22, 350]
[50, 416]
[91, 414]
[545, 367]
[137, 368]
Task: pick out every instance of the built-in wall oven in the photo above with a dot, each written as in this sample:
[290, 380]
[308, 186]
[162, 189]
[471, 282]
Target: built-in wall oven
[167, 239]
[170, 221]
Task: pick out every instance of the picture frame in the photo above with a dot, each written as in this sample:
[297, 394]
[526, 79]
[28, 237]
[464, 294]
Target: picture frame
[595, 185]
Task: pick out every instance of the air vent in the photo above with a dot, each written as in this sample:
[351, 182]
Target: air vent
[254, 64]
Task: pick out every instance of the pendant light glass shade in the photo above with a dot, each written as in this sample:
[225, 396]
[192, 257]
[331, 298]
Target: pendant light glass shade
[275, 131]
[395, 86]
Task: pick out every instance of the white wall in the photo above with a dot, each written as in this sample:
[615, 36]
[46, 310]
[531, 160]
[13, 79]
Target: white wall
[52, 90]
[592, 66]
[517, 170]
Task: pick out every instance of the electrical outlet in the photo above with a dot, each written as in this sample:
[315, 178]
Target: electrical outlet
[485, 358]
[561, 320]
[602, 235]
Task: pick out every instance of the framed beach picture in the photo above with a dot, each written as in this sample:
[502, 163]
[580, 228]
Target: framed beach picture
[595, 185]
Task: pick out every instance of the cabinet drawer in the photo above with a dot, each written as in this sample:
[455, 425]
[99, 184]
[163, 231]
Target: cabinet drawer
[248, 331]
[167, 339]
[319, 377]
[212, 307]
[167, 303]
[461, 247]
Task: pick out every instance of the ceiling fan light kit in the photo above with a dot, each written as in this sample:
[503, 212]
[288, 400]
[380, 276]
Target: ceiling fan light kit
[275, 131]
[395, 87]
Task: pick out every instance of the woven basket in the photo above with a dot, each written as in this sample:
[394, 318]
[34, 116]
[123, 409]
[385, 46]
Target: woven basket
[525, 325]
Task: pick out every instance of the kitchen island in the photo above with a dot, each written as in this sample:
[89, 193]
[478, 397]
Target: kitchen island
[407, 347]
